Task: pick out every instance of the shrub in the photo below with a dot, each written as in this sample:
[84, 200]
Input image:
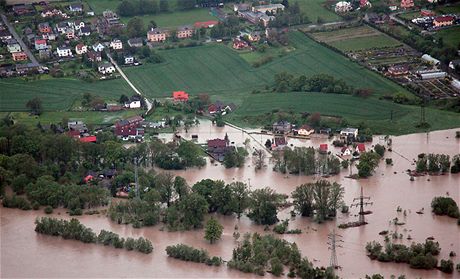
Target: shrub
[48, 210]
[188, 253]
[445, 206]
[389, 161]
[447, 266]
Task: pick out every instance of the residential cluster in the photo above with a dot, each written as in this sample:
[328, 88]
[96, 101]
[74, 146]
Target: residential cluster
[431, 22]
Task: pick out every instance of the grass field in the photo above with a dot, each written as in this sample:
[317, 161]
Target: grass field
[450, 36]
[314, 9]
[374, 113]
[220, 71]
[177, 18]
[356, 38]
[89, 117]
[56, 94]
[98, 6]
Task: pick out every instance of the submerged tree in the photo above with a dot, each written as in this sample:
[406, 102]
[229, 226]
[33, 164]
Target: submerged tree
[213, 230]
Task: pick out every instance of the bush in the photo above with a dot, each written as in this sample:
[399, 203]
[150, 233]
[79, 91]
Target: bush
[48, 210]
[282, 227]
[445, 206]
[389, 161]
[16, 202]
[143, 245]
[35, 206]
[188, 253]
[447, 266]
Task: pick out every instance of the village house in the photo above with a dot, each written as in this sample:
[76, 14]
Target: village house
[44, 54]
[81, 49]
[19, 56]
[76, 8]
[343, 7]
[360, 148]
[241, 7]
[70, 33]
[23, 9]
[64, 51]
[279, 143]
[157, 35]
[40, 44]
[349, 133]
[14, 47]
[5, 35]
[219, 107]
[398, 70]
[116, 44]
[135, 42]
[94, 56]
[84, 31]
[78, 24]
[425, 12]
[49, 36]
[407, 4]
[98, 47]
[345, 151]
[185, 31]
[251, 36]
[180, 96]
[282, 127]
[77, 125]
[106, 68]
[364, 3]
[442, 21]
[44, 28]
[129, 59]
[305, 130]
[239, 44]
[61, 27]
[134, 102]
[129, 128]
[273, 8]
[218, 148]
[88, 139]
[323, 148]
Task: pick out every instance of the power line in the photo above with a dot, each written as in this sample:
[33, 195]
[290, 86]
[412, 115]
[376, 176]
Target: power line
[332, 242]
[361, 203]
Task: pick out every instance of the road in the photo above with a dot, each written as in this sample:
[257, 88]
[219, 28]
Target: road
[148, 103]
[24, 47]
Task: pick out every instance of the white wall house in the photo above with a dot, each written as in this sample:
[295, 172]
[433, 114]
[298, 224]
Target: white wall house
[106, 68]
[64, 52]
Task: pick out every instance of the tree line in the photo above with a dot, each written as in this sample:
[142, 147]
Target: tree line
[285, 82]
[265, 253]
[437, 163]
[73, 229]
[187, 253]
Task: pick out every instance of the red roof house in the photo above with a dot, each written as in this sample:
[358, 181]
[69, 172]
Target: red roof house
[425, 12]
[361, 148]
[88, 139]
[180, 96]
[129, 127]
[206, 24]
[212, 108]
[441, 21]
[323, 148]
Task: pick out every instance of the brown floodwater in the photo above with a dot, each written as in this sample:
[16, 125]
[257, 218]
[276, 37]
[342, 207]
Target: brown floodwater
[27, 254]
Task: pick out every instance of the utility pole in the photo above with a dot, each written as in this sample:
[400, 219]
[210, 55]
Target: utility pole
[332, 242]
[136, 178]
[361, 203]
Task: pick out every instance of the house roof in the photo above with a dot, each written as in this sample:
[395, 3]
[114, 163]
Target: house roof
[344, 149]
[85, 29]
[361, 147]
[130, 120]
[444, 18]
[306, 127]
[323, 147]
[180, 95]
[185, 28]
[349, 130]
[40, 42]
[156, 31]
[216, 143]
[105, 65]
[280, 141]
[88, 139]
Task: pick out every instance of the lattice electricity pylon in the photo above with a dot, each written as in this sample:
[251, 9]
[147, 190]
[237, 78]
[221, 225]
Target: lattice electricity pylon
[332, 237]
[361, 205]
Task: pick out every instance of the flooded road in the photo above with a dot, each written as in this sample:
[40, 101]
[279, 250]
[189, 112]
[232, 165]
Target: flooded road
[26, 254]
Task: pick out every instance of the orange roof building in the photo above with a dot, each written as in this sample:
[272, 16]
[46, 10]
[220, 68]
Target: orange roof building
[180, 96]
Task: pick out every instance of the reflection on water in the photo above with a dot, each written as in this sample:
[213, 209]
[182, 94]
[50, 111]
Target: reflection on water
[26, 254]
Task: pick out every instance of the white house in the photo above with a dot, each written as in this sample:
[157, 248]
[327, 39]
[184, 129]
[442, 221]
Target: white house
[81, 49]
[78, 24]
[346, 151]
[116, 44]
[305, 130]
[76, 8]
[129, 60]
[343, 7]
[13, 48]
[134, 102]
[347, 132]
[98, 47]
[106, 68]
[70, 33]
[64, 51]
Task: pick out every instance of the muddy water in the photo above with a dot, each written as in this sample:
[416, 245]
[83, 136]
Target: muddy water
[25, 254]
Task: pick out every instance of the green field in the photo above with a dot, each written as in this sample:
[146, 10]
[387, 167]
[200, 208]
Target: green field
[450, 36]
[374, 113]
[220, 71]
[56, 94]
[89, 117]
[177, 18]
[356, 38]
[314, 9]
[98, 6]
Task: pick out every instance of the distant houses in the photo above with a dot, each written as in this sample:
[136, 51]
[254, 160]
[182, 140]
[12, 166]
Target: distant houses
[106, 68]
[218, 148]
[130, 128]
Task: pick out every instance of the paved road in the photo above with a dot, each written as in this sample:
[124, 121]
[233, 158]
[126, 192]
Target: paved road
[149, 104]
[24, 47]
